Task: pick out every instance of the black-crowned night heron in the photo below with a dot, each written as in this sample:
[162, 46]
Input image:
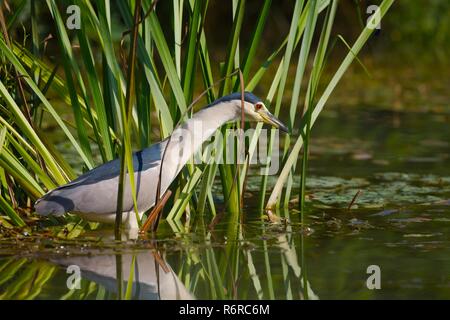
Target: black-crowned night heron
[93, 195]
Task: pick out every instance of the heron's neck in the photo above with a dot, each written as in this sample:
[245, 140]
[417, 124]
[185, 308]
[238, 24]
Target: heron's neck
[187, 139]
[212, 118]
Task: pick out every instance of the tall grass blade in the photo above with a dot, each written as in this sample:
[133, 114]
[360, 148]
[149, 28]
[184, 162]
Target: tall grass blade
[10, 212]
[292, 158]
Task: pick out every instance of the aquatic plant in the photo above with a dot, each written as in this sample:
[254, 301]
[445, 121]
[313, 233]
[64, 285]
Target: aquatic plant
[117, 109]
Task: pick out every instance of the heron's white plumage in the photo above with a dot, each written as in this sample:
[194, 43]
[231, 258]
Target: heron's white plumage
[94, 194]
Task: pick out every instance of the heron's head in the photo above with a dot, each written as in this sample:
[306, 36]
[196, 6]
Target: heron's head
[254, 109]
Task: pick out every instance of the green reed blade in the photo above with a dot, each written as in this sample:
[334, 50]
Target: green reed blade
[70, 64]
[26, 127]
[28, 130]
[292, 158]
[129, 288]
[10, 212]
[255, 41]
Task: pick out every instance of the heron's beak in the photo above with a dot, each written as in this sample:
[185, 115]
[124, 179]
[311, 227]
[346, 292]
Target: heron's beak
[273, 121]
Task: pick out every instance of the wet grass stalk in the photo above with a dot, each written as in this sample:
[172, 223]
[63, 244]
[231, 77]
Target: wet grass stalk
[301, 66]
[281, 86]
[119, 276]
[312, 86]
[267, 265]
[126, 157]
[304, 274]
[228, 171]
[129, 288]
[318, 107]
[297, 32]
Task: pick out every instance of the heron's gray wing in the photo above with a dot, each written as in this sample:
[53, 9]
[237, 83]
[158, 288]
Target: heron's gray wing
[96, 190]
[142, 161]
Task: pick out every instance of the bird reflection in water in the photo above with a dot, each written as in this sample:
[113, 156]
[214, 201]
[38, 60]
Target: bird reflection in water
[153, 278]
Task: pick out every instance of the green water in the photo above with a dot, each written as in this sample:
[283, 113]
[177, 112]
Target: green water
[397, 163]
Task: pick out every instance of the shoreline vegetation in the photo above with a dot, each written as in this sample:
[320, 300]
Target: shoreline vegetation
[112, 103]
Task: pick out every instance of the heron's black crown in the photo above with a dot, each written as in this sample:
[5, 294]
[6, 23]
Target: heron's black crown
[248, 97]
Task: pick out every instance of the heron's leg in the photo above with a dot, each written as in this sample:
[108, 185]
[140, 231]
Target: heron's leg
[153, 217]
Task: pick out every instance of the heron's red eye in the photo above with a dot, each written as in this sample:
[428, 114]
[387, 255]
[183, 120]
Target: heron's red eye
[258, 106]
